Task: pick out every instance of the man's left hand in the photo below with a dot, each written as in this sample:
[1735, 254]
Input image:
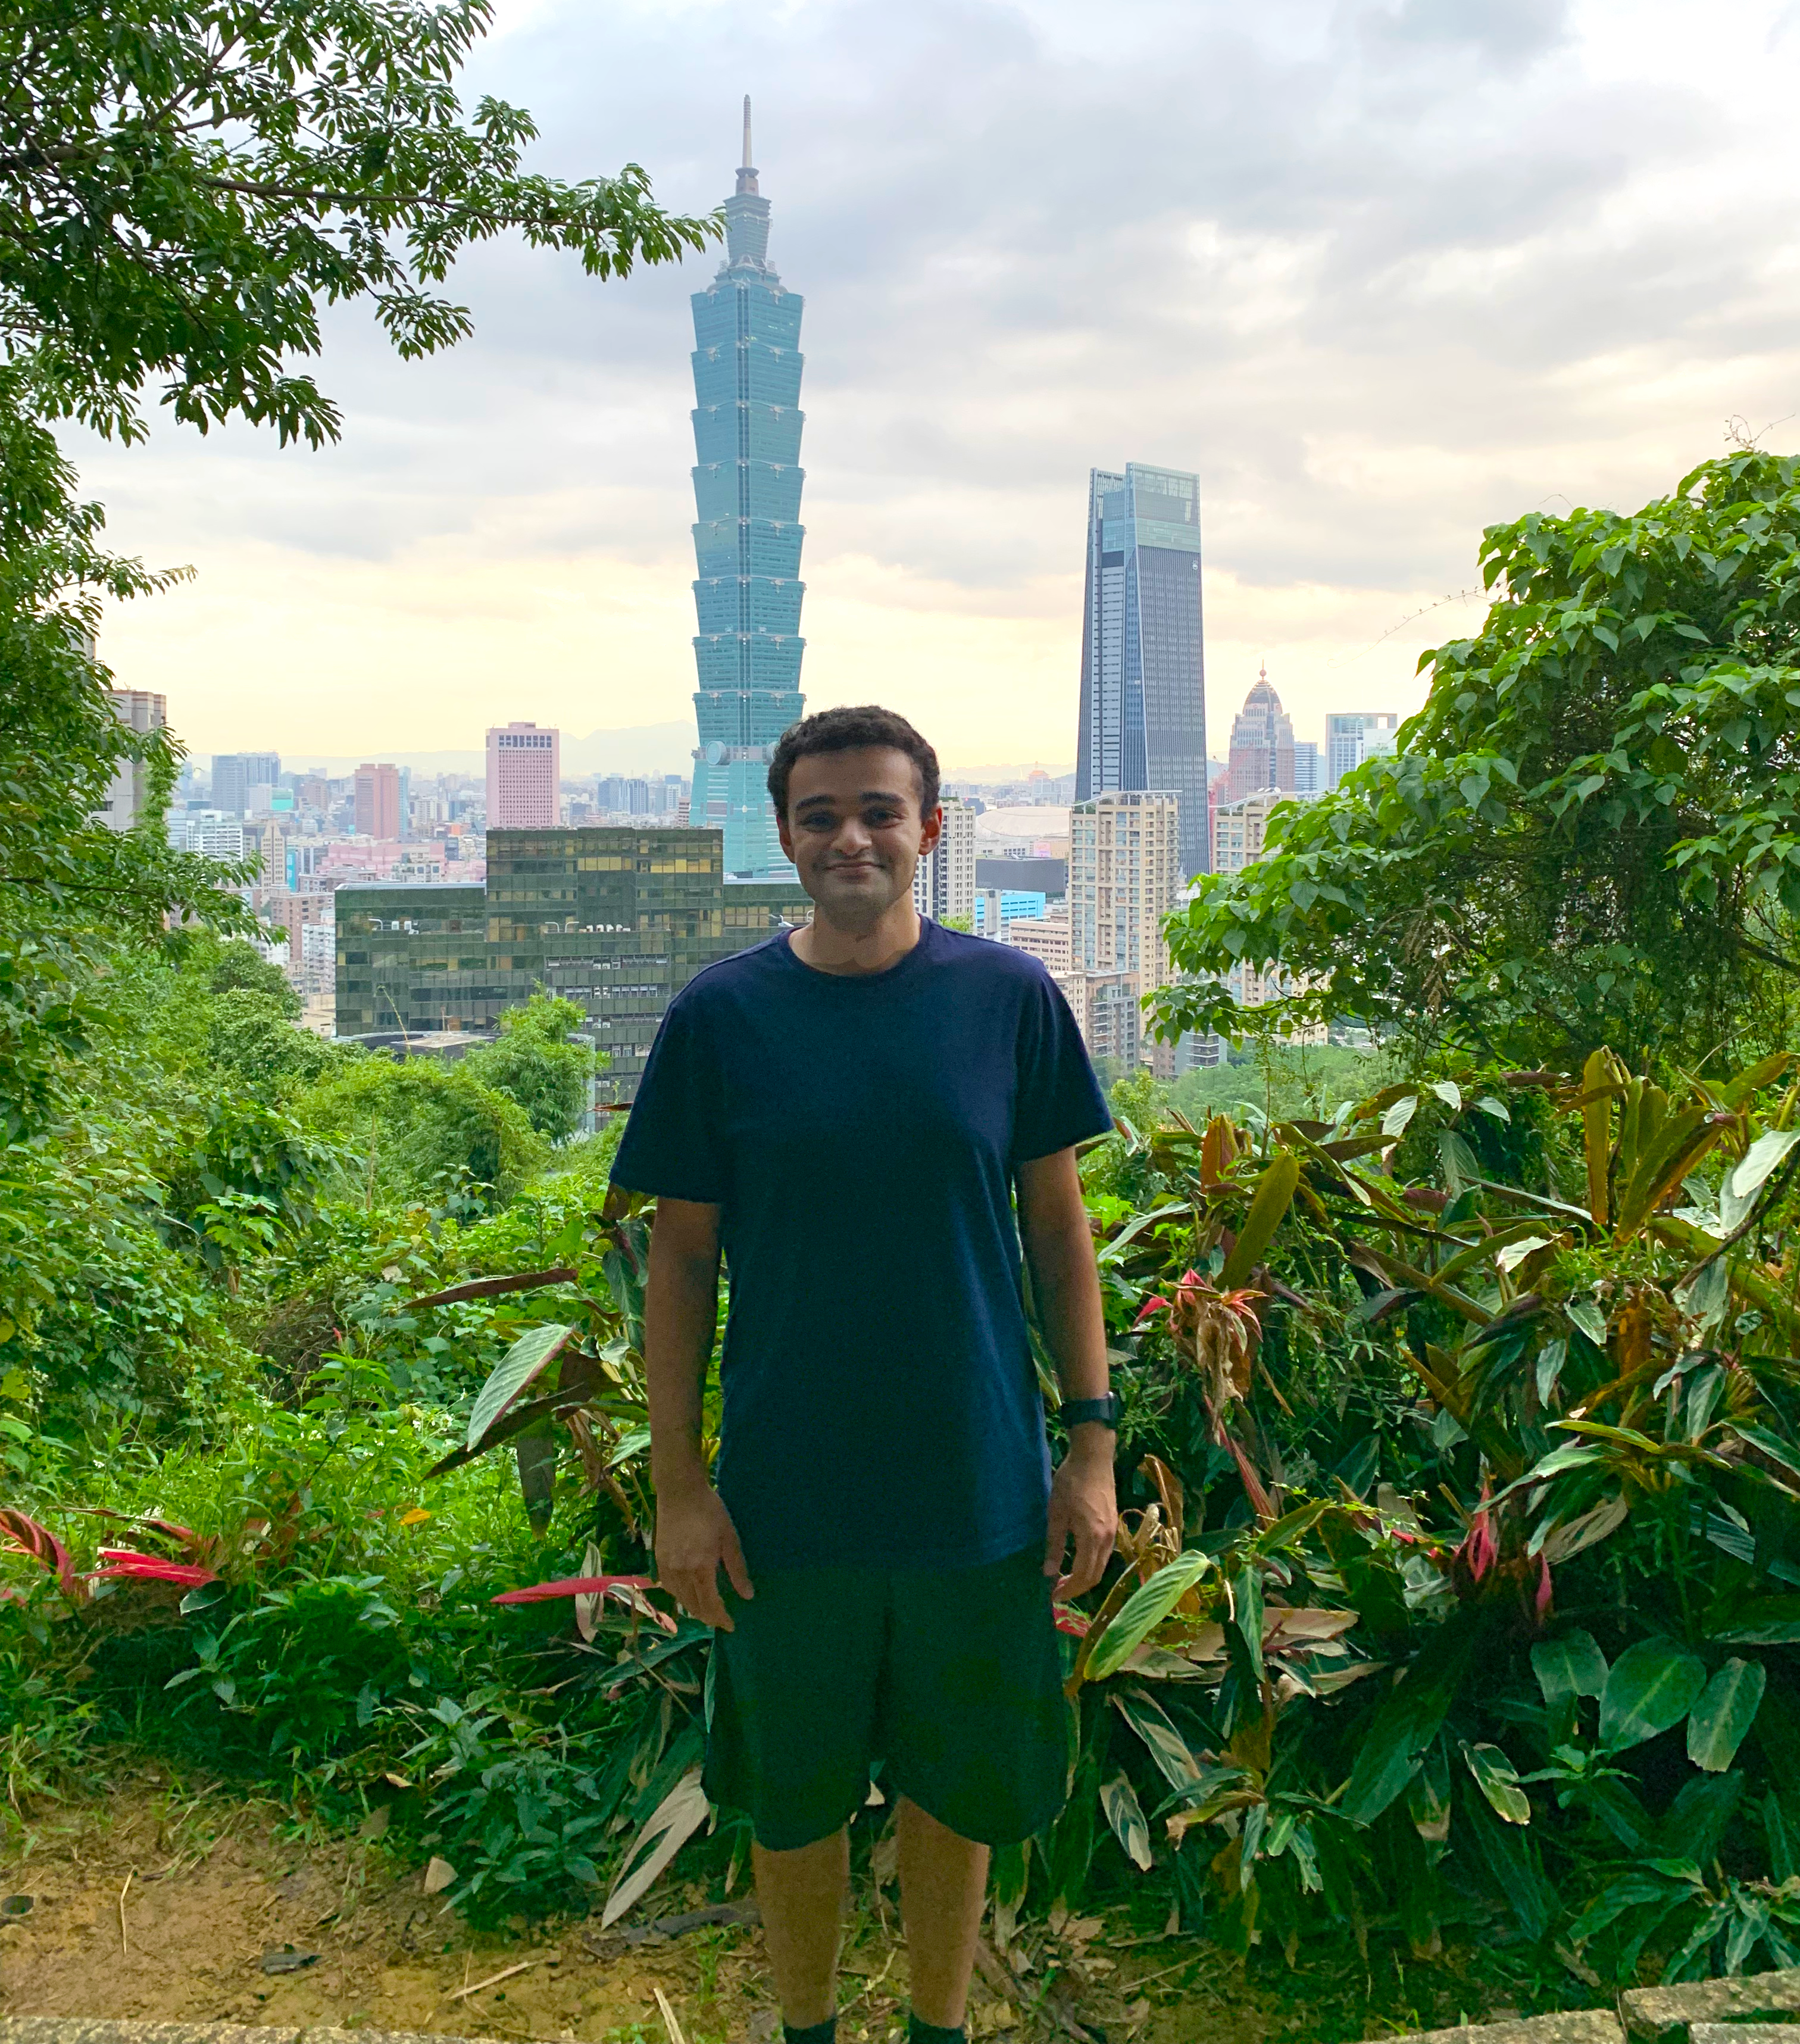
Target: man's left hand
[1084, 1508]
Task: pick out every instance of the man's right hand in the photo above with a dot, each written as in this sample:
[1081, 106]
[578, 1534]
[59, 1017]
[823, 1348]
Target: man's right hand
[695, 1538]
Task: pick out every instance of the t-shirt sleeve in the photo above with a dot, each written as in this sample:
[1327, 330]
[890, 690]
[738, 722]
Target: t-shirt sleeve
[671, 1145]
[1058, 1102]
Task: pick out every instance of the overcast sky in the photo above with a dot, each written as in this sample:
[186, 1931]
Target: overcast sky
[1381, 272]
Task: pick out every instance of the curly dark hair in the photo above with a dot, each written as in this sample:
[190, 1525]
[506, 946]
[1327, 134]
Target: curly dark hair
[849, 731]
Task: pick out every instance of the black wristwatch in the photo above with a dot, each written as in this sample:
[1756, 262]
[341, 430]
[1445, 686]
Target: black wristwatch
[1104, 1411]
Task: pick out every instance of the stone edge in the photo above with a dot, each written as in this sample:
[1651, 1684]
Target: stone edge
[1577, 2026]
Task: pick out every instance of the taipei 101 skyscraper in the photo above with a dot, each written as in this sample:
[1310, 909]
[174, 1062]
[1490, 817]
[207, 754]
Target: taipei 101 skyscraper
[747, 535]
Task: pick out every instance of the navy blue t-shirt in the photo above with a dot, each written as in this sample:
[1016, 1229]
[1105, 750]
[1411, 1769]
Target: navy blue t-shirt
[860, 1134]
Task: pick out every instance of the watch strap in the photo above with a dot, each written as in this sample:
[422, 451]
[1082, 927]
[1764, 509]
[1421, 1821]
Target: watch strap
[1105, 1411]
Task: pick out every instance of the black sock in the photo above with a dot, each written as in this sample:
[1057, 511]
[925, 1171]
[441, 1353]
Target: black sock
[815, 2033]
[919, 2031]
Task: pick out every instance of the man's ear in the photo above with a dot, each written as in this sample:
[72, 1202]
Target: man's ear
[930, 829]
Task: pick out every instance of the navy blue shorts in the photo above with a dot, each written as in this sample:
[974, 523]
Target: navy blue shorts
[950, 1678]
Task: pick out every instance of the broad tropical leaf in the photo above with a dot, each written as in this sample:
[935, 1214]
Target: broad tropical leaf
[1119, 1800]
[668, 1828]
[492, 1288]
[1142, 1612]
[1760, 1160]
[1497, 1780]
[514, 1369]
[1273, 1197]
[1726, 1710]
[25, 1536]
[1394, 1745]
[1394, 1122]
[1569, 1666]
[1168, 1748]
[1653, 1684]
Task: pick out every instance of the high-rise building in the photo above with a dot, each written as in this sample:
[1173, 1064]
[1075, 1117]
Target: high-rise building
[128, 790]
[1125, 875]
[1308, 767]
[1239, 828]
[617, 920]
[943, 881]
[378, 803]
[747, 534]
[1143, 663]
[1352, 736]
[524, 776]
[235, 774]
[1262, 744]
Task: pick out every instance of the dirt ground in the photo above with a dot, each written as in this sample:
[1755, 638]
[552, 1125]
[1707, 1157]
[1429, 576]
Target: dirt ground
[165, 1902]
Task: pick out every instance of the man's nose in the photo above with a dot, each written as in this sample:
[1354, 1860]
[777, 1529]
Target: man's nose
[853, 836]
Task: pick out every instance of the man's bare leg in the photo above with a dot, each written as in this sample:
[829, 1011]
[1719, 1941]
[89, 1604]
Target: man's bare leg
[943, 1879]
[801, 1895]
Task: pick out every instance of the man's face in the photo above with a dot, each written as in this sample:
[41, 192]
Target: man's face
[853, 831]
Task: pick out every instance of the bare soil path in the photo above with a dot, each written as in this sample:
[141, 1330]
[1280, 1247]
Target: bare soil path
[163, 1903]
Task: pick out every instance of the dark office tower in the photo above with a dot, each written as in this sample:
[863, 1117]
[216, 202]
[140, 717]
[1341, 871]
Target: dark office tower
[1143, 668]
[747, 479]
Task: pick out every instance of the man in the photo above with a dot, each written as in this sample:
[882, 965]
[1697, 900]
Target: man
[848, 1110]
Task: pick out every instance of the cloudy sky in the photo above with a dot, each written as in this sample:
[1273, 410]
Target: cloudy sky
[1381, 272]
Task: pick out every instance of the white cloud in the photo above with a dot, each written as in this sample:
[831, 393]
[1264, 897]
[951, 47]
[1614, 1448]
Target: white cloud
[1381, 272]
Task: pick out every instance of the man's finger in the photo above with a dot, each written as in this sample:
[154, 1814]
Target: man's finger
[698, 1590]
[1055, 1541]
[735, 1566]
[1090, 1558]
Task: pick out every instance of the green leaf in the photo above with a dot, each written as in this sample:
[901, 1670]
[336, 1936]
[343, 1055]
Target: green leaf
[1447, 1091]
[1120, 1801]
[1652, 1685]
[1273, 1197]
[1143, 1612]
[1760, 1159]
[1569, 1666]
[1587, 1319]
[1765, 1621]
[1394, 1122]
[1497, 1780]
[1168, 1748]
[1727, 1708]
[1393, 1747]
[509, 1376]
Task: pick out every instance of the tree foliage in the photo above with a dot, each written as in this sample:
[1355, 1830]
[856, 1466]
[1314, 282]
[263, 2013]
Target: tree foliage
[533, 1062]
[186, 185]
[1591, 832]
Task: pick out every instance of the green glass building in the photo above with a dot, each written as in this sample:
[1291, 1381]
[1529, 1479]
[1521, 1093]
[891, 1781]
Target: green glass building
[747, 533]
[616, 920]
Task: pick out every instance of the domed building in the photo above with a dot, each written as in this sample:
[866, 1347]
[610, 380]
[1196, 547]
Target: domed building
[1262, 744]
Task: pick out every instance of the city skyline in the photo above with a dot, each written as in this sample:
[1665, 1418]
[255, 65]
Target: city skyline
[1380, 276]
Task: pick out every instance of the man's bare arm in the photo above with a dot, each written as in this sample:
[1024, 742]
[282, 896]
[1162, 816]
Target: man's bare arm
[695, 1537]
[1053, 1224]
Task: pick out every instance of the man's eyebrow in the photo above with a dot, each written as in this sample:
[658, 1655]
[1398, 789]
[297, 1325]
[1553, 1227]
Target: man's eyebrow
[867, 795]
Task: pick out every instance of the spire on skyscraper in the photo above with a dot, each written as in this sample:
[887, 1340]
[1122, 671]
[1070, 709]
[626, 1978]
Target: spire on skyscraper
[746, 170]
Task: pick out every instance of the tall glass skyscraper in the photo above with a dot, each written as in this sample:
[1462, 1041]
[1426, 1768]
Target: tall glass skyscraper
[1143, 667]
[747, 478]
